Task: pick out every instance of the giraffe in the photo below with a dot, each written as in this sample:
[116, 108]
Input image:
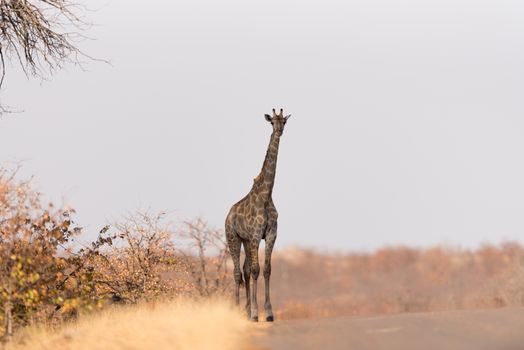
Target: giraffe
[252, 219]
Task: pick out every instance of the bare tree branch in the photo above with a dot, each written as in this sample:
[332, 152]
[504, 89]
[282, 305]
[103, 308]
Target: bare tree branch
[205, 256]
[41, 36]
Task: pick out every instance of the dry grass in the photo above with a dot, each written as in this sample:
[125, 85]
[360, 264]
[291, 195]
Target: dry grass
[180, 324]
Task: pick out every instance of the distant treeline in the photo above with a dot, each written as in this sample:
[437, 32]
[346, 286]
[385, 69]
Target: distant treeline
[395, 280]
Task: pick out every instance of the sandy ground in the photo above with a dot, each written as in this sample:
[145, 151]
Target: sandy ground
[497, 329]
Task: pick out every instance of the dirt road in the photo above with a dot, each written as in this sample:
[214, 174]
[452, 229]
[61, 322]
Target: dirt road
[499, 329]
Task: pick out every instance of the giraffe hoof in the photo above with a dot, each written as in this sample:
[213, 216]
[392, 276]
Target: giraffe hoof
[270, 319]
[254, 319]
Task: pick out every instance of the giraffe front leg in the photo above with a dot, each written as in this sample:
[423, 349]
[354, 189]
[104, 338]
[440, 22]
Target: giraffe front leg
[270, 242]
[255, 271]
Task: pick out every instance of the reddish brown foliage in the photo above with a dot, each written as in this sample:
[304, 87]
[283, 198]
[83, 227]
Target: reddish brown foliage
[40, 277]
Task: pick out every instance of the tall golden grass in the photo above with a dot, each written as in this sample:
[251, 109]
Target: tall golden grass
[181, 324]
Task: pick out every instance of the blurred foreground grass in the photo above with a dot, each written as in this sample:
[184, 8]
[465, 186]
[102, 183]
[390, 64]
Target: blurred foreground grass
[181, 324]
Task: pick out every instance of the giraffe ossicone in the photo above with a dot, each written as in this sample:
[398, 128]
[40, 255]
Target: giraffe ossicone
[252, 219]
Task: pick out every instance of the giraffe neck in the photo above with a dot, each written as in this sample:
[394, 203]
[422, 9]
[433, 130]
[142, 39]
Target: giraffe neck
[265, 180]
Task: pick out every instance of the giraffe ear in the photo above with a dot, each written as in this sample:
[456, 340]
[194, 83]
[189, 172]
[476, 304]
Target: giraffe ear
[287, 117]
[268, 117]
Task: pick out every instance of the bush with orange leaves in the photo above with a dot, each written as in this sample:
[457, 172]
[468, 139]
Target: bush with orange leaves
[40, 276]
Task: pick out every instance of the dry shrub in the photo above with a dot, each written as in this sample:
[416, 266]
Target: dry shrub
[46, 278]
[40, 276]
[204, 255]
[140, 262]
[180, 324]
[147, 258]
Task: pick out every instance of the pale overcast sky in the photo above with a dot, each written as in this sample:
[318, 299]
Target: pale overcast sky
[407, 127]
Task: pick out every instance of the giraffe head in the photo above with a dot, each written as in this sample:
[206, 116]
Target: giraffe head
[278, 121]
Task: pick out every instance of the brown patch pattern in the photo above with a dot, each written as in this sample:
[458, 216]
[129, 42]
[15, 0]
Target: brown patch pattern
[252, 219]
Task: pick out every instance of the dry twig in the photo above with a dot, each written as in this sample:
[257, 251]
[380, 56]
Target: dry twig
[40, 35]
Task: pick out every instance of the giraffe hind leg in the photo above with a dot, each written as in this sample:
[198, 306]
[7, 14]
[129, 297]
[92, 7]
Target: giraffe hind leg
[247, 273]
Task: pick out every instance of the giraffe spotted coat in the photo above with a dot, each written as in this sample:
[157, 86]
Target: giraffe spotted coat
[252, 219]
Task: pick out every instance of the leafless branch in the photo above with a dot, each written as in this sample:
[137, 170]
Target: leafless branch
[41, 36]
